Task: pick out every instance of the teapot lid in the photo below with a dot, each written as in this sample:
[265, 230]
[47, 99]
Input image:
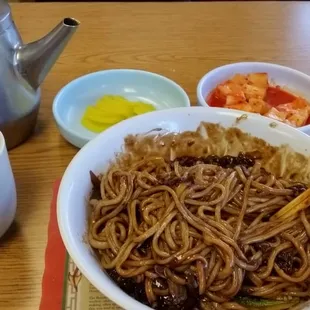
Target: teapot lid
[5, 15]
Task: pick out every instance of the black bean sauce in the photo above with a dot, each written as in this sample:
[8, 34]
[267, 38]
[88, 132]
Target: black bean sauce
[227, 161]
[172, 180]
[298, 189]
[285, 260]
[192, 302]
[129, 286]
[95, 194]
[137, 291]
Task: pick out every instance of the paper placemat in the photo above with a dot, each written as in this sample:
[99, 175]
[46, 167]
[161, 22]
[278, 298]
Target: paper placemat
[63, 286]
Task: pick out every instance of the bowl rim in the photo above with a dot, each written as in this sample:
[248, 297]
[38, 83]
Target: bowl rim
[201, 100]
[62, 219]
[57, 99]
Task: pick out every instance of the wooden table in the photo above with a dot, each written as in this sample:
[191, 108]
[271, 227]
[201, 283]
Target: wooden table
[180, 40]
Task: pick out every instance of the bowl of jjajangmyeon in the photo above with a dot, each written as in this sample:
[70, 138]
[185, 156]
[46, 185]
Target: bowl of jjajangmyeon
[192, 208]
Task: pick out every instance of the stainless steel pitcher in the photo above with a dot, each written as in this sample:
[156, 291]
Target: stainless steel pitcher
[23, 67]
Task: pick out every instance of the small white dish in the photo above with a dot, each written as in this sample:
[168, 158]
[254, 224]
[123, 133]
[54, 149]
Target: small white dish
[295, 81]
[7, 189]
[71, 101]
[96, 155]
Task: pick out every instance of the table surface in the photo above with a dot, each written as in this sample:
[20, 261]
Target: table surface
[179, 40]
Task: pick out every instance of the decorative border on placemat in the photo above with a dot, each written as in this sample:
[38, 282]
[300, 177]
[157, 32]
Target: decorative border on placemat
[70, 295]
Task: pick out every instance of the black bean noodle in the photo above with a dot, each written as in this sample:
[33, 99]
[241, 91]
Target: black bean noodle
[194, 233]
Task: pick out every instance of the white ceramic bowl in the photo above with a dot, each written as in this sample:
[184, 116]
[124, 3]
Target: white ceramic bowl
[71, 101]
[296, 81]
[76, 186]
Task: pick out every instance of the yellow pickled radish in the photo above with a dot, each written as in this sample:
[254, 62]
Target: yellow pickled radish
[116, 104]
[140, 108]
[94, 114]
[112, 98]
[94, 126]
[120, 108]
[111, 109]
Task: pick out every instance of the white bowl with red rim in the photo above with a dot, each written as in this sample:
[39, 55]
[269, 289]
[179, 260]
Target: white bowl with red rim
[293, 81]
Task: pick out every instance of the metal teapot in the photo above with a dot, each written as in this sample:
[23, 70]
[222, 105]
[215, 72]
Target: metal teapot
[23, 67]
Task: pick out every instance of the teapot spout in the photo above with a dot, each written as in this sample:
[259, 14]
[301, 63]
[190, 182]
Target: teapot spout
[34, 60]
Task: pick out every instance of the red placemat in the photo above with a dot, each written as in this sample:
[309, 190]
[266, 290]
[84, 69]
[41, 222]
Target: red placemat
[63, 286]
[55, 262]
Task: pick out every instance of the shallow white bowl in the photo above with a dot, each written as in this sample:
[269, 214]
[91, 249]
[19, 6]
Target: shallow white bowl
[71, 101]
[295, 81]
[76, 186]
